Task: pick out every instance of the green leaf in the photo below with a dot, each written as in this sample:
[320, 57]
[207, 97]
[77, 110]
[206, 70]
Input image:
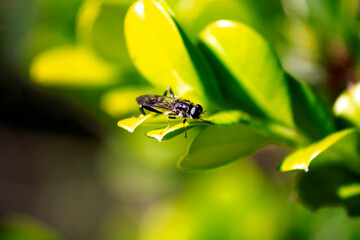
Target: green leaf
[227, 118]
[216, 146]
[347, 106]
[249, 75]
[279, 133]
[164, 55]
[71, 66]
[172, 131]
[309, 112]
[224, 118]
[251, 78]
[121, 101]
[130, 124]
[332, 169]
[339, 147]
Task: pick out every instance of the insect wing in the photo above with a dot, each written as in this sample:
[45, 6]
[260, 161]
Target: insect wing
[161, 104]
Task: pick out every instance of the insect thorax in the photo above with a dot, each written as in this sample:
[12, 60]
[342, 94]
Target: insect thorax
[183, 107]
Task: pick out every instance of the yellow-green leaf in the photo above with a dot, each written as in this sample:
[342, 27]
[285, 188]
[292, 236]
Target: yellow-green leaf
[347, 106]
[164, 55]
[255, 80]
[121, 101]
[224, 118]
[252, 79]
[172, 131]
[72, 66]
[342, 146]
[130, 124]
[216, 146]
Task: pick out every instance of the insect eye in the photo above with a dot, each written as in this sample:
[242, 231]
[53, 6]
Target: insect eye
[196, 111]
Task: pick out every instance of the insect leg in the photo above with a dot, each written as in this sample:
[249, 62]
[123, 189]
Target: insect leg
[185, 127]
[142, 110]
[170, 91]
[167, 126]
[168, 121]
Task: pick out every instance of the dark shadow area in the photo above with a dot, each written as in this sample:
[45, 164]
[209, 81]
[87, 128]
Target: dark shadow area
[26, 107]
[320, 187]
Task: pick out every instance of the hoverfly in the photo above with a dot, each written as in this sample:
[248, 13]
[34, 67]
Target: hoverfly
[171, 106]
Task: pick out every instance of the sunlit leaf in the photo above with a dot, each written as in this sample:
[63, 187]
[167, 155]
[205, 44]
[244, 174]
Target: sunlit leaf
[342, 146]
[224, 118]
[164, 55]
[72, 66]
[332, 166]
[121, 101]
[347, 106]
[279, 134]
[172, 131]
[216, 146]
[130, 124]
[250, 76]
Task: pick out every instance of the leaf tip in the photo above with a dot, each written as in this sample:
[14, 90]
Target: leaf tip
[130, 124]
[155, 135]
[286, 166]
[126, 127]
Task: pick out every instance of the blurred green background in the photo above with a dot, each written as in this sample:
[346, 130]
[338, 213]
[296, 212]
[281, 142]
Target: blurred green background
[68, 172]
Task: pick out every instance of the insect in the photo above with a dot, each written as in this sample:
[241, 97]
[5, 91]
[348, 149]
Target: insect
[171, 106]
